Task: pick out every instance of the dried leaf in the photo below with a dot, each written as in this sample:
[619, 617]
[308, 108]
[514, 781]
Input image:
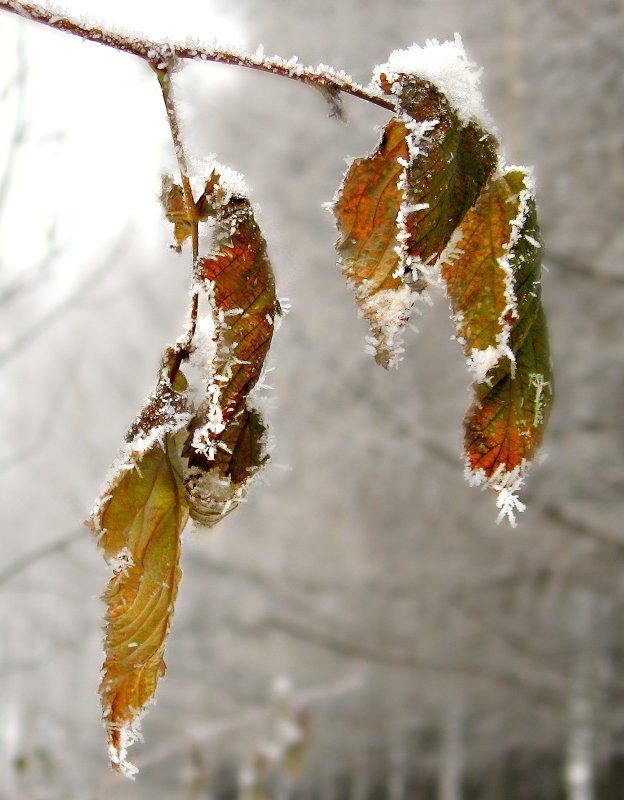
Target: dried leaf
[141, 522]
[198, 441]
[226, 445]
[398, 208]
[505, 425]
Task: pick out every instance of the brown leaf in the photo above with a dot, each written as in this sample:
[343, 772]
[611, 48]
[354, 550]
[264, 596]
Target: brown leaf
[226, 445]
[141, 521]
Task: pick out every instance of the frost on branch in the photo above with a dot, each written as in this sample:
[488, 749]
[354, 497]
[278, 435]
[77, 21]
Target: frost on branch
[398, 208]
[194, 448]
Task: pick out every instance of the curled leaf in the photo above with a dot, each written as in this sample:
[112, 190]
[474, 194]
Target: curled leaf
[226, 445]
[195, 446]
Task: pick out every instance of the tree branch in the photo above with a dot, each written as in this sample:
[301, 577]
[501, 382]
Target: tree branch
[160, 54]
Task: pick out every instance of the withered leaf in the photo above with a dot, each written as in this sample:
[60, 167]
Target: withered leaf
[366, 208]
[226, 446]
[398, 208]
[197, 443]
[141, 522]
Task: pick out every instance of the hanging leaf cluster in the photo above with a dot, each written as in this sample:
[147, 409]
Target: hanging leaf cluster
[434, 203]
[193, 450]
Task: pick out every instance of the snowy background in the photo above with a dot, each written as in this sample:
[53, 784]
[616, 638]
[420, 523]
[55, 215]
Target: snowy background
[363, 602]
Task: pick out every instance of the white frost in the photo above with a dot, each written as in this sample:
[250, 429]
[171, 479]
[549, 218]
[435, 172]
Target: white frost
[506, 483]
[446, 66]
[481, 361]
[388, 311]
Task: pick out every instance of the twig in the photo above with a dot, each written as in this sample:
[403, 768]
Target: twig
[159, 54]
[164, 79]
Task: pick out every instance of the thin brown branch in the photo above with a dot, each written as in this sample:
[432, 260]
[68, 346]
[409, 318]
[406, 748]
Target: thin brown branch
[160, 54]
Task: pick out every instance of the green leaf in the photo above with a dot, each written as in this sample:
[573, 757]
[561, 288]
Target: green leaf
[479, 277]
[450, 163]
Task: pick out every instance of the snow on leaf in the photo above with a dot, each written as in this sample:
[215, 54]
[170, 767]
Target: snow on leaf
[366, 208]
[226, 444]
[505, 425]
[140, 523]
[446, 66]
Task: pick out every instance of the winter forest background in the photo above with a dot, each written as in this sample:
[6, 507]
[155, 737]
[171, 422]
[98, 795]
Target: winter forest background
[360, 628]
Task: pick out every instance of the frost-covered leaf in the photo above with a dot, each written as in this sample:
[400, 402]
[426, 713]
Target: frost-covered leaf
[197, 443]
[450, 163]
[478, 273]
[174, 204]
[226, 445]
[140, 522]
[366, 209]
[398, 208]
[505, 425]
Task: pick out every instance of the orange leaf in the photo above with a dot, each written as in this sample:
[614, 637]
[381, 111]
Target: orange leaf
[366, 208]
[141, 521]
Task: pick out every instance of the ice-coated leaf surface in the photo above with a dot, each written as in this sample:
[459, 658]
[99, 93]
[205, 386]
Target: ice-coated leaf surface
[141, 522]
[505, 425]
[226, 446]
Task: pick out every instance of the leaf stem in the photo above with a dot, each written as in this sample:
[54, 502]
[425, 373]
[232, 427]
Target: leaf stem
[327, 80]
[164, 79]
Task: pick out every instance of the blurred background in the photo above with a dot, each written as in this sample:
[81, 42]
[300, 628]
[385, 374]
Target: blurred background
[360, 628]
